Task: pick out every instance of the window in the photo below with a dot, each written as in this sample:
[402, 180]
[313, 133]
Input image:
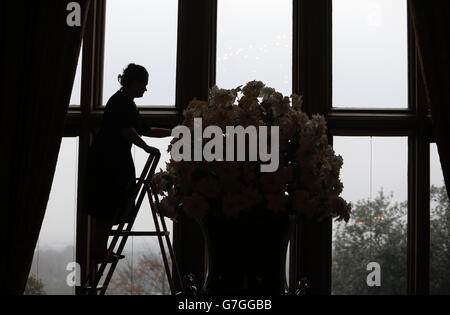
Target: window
[56, 245]
[145, 33]
[75, 99]
[375, 181]
[254, 42]
[373, 66]
[354, 61]
[370, 46]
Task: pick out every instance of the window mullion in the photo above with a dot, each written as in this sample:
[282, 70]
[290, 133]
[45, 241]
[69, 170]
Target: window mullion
[312, 78]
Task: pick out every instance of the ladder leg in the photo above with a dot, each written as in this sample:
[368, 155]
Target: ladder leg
[175, 267]
[161, 243]
[115, 240]
[122, 242]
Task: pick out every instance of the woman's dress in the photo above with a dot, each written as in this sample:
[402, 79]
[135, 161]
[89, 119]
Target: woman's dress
[111, 176]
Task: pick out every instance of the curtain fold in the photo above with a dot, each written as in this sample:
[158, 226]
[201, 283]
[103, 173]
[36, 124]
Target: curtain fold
[39, 58]
[431, 20]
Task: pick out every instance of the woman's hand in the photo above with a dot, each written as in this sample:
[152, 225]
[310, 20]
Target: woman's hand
[151, 150]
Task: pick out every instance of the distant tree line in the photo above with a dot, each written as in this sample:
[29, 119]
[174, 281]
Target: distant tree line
[378, 233]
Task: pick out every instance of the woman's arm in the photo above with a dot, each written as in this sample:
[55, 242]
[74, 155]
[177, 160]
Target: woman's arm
[159, 132]
[131, 134]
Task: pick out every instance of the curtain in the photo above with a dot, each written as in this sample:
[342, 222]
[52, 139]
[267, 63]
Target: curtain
[39, 58]
[431, 20]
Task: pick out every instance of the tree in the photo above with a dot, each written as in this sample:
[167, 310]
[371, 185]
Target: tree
[439, 241]
[34, 286]
[378, 233]
[147, 278]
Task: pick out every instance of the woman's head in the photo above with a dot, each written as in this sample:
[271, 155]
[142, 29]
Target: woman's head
[134, 80]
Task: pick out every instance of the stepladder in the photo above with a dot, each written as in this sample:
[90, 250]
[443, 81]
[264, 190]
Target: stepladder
[99, 276]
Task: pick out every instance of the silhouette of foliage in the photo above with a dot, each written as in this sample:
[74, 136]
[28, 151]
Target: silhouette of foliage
[147, 277]
[377, 232]
[34, 286]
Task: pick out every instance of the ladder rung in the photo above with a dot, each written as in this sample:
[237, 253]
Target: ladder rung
[145, 180]
[133, 233]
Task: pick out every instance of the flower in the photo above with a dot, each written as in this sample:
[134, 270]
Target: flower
[197, 107]
[253, 89]
[195, 206]
[188, 121]
[304, 203]
[342, 208]
[280, 104]
[266, 93]
[277, 201]
[247, 102]
[221, 98]
[208, 187]
[160, 182]
[221, 118]
[248, 116]
[249, 174]
[252, 196]
[166, 209]
[233, 204]
[307, 181]
[297, 102]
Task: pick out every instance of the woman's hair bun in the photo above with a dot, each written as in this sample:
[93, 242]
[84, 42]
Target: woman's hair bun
[132, 73]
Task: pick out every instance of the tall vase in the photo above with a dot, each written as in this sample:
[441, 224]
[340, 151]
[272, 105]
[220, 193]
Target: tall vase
[246, 255]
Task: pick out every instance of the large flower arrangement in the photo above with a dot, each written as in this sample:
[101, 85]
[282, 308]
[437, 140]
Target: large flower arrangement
[306, 182]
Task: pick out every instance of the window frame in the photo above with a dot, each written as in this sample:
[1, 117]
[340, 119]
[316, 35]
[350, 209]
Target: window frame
[413, 122]
[312, 77]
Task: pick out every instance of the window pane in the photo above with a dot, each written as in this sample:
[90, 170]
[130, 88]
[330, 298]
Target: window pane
[439, 228]
[75, 99]
[142, 32]
[376, 184]
[56, 245]
[370, 54]
[142, 272]
[254, 42]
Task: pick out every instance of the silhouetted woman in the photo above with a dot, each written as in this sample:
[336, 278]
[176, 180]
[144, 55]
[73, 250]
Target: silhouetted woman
[111, 173]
